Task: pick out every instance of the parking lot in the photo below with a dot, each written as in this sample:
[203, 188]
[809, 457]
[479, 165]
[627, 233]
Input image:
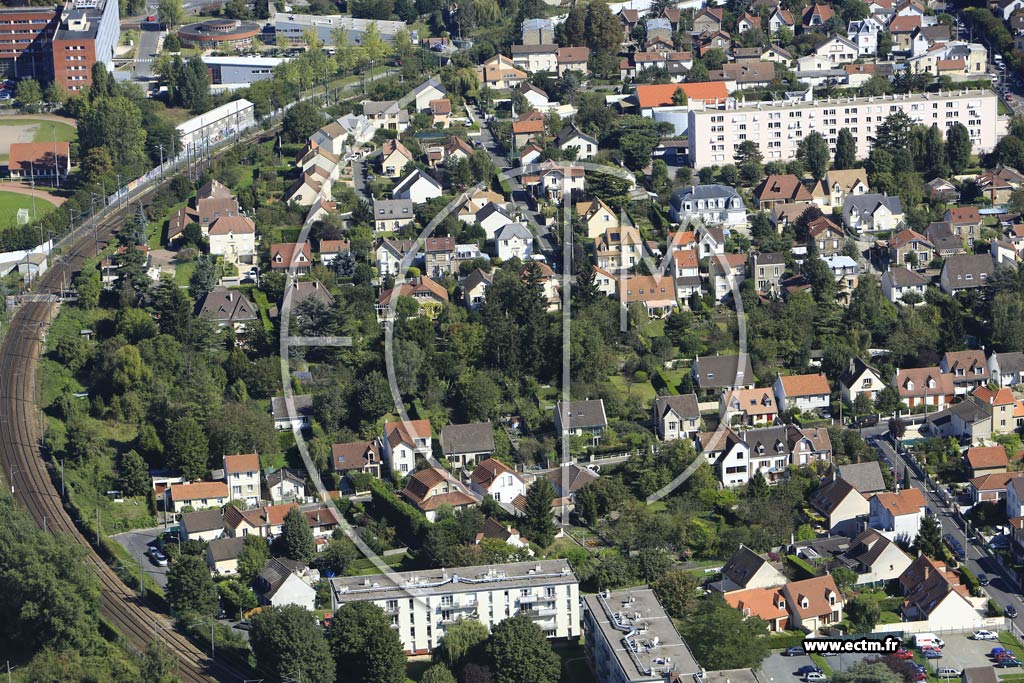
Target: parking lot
[135, 542]
[960, 652]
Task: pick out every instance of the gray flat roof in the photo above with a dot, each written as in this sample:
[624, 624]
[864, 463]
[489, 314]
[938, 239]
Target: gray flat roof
[658, 645]
[459, 580]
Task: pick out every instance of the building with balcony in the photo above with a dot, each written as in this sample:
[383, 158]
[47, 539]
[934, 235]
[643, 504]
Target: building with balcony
[717, 129]
[422, 604]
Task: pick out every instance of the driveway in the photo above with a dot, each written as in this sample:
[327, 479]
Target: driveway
[135, 543]
[962, 653]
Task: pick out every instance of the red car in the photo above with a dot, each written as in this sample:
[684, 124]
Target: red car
[920, 676]
[1004, 655]
[151, 18]
[903, 654]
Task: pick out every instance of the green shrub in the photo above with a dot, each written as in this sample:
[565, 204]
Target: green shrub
[803, 570]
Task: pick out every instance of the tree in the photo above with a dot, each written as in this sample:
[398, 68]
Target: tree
[897, 428]
[573, 31]
[958, 147]
[187, 448]
[844, 577]
[603, 29]
[134, 478]
[521, 653]
[846, 150]
[252, 558]
[813, 151]
[929, 538]
[539, 525]
[301, 121]
[288, 643]
[462, 642]
[677, 591]
[722, 638]
[30, 95]
[114, 123]
[894, 133]
[190, 590]
[438, 673]
[193, 87]
[679, 98]
[863, 613]
[170, 13]
[159, 664]
[203, 279]
[297, 538]
[365, 647]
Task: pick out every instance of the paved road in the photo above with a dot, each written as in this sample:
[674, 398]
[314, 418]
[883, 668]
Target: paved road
[359, 169]
[146, 52]
[545, 240]
[1003, 589]
[135, 542]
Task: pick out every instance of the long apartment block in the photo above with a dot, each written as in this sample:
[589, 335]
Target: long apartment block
[421, 604]
[778, 127]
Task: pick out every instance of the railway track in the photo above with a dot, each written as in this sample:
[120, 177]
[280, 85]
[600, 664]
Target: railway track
[30, 474]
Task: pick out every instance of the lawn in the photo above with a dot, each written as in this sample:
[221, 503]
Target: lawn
[1011, 643]
[575, 668]
[11, 202]
[645, 390]
[183, 271]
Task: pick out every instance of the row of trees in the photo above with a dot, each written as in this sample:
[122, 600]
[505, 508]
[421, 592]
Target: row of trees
[361, 646]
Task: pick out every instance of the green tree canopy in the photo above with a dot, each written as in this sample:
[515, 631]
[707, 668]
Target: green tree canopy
[288, 643]
[722, 638]
[296, 537]
[190, 590]
[365, 647]
[521, 653]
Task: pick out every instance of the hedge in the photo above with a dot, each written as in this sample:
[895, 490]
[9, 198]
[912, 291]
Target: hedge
[409, 523]
[780, 641]
[662, 384]
[994, 610]
[803, 570]
[970, 580]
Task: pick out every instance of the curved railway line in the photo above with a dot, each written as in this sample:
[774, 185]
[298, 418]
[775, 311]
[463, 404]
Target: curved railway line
[30, 475]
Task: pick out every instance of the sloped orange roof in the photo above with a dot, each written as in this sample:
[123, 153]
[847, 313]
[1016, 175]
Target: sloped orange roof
[405, 432]
[200, 489]
[661, 95]
[805, 385]
[905, 502]
[247, 462]
[999, 397]
[685, 258]
[759, 602]
[984, 457]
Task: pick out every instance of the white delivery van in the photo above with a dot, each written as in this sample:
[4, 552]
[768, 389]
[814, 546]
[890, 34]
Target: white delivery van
[922, 640]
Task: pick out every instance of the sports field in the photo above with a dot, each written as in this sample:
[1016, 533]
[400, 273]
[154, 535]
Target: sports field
[26, 129]
[11, 202]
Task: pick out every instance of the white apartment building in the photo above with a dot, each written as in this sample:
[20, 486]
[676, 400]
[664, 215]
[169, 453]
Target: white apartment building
[631, 639]
[778, 127]
[421, 604]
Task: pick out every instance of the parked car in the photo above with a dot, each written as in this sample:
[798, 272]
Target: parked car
[6, 95]
[984, 635]
[933, 654]
[158, 558]
[807, 669]
[1010, 611]
[996, 651]
[1005, 655]
[984, 580]
[947, 672]
[903, 653]
[920, 676]
[815, 677]
[794, 651]
[1009, 663]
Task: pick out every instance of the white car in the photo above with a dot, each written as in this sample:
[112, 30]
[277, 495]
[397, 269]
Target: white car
[984, 635]
[815, 677]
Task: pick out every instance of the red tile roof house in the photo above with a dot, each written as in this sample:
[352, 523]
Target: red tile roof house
[35, 160]
[285, 256]
[813, 603]
[991, 488]
[403, 441]
[768, 604]
[984, 460]
[898, 514]
[433, 488]
[199, 495]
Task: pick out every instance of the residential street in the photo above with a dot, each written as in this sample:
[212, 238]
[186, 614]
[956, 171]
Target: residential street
[136, 543]
[1002, 590]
